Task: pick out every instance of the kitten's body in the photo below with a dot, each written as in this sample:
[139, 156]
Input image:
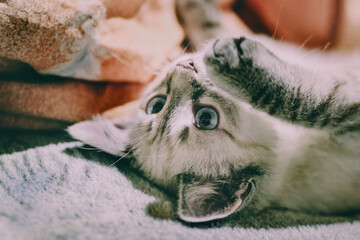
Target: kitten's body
[288, 135]
[318, 162]
[315, 172]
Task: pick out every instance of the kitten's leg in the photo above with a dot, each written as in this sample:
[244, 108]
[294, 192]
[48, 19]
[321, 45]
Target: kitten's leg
[250, 72]
[200, 19]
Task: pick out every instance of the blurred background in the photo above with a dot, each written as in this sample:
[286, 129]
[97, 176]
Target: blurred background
[64, 61]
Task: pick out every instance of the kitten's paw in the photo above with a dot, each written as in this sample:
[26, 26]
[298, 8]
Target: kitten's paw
[244, 68]
[162, 210]
[225, 52]
[236, 53]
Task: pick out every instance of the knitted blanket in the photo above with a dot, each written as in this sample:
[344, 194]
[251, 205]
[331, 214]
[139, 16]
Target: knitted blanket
[52, 187]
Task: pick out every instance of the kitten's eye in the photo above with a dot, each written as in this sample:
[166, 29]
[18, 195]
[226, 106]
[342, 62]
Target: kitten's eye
[155, 104]
[206, 118]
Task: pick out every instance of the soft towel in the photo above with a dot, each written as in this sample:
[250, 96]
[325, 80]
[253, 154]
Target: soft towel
[64, 190]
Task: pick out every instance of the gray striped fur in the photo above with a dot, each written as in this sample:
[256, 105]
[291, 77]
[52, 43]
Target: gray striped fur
[288, 133]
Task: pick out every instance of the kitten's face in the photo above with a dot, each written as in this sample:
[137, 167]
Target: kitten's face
[187, 124]
[192, 137]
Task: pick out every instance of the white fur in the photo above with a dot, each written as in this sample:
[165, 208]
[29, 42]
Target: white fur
[309, 169]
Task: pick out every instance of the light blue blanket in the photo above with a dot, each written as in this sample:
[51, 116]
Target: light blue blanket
[63, 191]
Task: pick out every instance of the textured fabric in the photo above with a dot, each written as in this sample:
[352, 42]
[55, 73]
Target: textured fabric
[34, 101]
[53, 188]
[89, 39]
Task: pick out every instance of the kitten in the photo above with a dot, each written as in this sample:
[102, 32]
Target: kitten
[236, 126]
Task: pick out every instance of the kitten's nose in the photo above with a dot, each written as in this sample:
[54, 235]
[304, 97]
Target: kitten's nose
[187, 64]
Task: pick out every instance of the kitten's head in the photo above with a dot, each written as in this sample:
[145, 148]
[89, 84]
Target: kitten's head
[192, 137]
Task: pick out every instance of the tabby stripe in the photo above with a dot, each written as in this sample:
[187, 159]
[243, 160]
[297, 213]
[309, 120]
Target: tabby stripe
[230, 135]
[168, 86]
[163, 126]
[149, 127]
[244, 144]
[184, 135]
[274, 97]
[198, 90]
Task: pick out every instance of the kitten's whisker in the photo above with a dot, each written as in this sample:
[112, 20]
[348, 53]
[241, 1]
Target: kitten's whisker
[277, 22]
[326, 47]
[139, 128]
[88, 148]
[134, 143]
[118, 58]
[150, 67]
[186, 48]
[126, 154]
[172, 59]
[137, 140]
[305, 42]
[162, 155]
[312, 52]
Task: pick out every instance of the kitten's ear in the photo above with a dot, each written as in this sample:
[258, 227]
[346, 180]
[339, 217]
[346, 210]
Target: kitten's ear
[203, 200]
[101, 133]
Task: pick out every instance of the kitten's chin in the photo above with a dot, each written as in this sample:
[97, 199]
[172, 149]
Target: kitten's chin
[169, 184]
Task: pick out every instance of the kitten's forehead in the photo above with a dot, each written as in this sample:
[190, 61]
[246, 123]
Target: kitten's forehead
[190, 85]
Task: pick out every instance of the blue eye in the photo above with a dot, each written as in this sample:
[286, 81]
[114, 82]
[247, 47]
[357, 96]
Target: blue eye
[206, 118]
[155, 104]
